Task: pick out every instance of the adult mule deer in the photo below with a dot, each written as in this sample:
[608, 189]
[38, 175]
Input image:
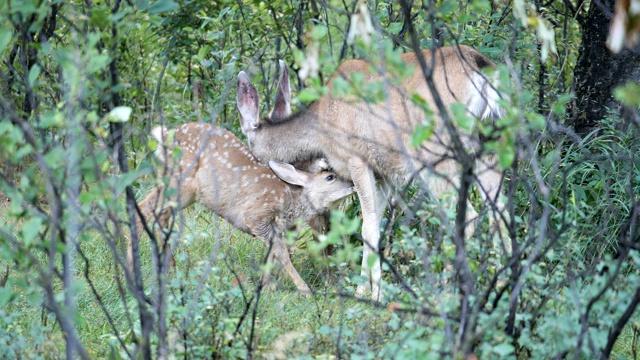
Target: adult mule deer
[218, 171]
[364, 141]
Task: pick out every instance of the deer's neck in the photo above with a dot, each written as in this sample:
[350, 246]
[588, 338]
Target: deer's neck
[293, 140]
[298, 207]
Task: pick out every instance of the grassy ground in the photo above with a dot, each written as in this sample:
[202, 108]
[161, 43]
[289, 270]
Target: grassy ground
[210, 310]
[284, 318]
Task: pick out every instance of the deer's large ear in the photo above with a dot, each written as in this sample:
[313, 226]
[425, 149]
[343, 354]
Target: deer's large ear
[289, 174]
[282, 105]
[247, 102]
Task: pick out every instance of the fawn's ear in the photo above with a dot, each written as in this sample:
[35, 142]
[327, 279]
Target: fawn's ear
[289, 174]
[282, 105]
[247, 102]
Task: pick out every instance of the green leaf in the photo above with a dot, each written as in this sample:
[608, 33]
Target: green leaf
[97, 63]
[308, 95]
[202, 53]
[629, 94]
[395, 27]
[319, 32]
[372, 259]
[125, 180]
[99, 17]
[560, 106]
[463, 120]
[161, 6]
[152, 144]
[5, 37]
[357, 79]
[325, 330]
[550, 158]
[578, 193]
[504, 349]
[536, 121]
[86, 198]
[418, 101]
[31, 229]
[33, 74]
[52, 120]
[340, 87]
[422, 132]
[142, 4]
[119, 114]
[506, 156]
[6, 293]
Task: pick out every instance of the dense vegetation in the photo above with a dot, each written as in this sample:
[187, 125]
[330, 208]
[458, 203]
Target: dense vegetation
[83, 83]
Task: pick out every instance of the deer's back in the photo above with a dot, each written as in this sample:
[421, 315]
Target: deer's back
[229, 180]
[381, 132]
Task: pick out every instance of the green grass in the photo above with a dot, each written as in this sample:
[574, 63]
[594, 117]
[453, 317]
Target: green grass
[281, 309]
[287, 324]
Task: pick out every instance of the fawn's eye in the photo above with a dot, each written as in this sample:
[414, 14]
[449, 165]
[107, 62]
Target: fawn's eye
[330, 177]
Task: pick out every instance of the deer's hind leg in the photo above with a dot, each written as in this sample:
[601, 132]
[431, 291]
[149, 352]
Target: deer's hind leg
[157, 209]
[278, 250]
[151, 209]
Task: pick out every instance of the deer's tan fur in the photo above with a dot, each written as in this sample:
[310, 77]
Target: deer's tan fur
[218, 171]
[369, 142]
